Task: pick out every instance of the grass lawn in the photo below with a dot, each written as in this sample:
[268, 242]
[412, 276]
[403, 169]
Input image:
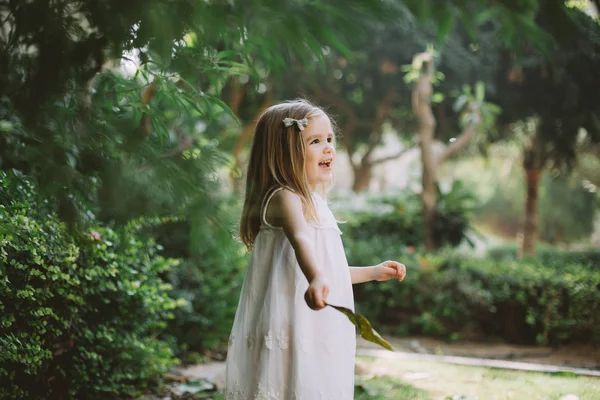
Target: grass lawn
[380, 379]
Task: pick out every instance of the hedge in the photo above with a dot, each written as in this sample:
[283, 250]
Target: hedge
[448, 296]
[79, 312]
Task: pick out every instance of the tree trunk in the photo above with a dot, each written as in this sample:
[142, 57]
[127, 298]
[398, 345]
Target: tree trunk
[428, 194]
[426, 127]
[421, 105]
[530, 228]
[534, 161]
[362, 177]
[363, 171]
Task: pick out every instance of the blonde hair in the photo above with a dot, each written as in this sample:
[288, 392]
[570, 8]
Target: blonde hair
[277, 159]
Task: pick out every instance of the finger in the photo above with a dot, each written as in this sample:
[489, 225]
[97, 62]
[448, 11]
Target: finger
[325, 292]
[319, 303]
[309, 300]
[402, 272]
[393, 272]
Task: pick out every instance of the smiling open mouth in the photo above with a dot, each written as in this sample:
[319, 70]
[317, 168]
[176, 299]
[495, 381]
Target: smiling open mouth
[326, 163]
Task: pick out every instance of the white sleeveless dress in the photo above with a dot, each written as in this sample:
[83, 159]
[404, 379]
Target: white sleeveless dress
[280, 349]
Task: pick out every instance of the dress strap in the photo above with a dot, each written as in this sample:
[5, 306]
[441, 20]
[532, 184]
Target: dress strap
[263, 213]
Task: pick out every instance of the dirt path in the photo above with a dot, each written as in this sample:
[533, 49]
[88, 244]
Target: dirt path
[575, 356]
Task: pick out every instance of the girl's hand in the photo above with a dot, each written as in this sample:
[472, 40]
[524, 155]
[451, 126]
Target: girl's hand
[389, 270]
[317, 292]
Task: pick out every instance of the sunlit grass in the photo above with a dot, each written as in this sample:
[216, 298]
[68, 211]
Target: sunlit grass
[384, 388]
[442, 381]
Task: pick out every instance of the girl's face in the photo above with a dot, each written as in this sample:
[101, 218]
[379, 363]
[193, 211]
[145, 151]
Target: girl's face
[320, 151]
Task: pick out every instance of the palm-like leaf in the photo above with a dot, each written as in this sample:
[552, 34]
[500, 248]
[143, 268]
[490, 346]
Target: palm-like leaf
[364, 327]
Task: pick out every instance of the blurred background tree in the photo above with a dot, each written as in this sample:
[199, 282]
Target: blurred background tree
[555, 101]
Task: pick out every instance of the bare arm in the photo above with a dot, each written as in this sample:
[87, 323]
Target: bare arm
[381, 272]
[362, 274]
[286, 211]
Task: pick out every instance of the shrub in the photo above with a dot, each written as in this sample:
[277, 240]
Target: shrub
[79, 312]
[521, 302]
[550, 257]
[209, 279]
[530, 303]
[399, 218]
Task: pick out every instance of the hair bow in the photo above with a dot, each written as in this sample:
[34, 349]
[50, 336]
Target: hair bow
[301, 123]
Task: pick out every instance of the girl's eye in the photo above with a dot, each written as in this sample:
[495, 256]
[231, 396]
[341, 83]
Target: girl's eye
[329, 139]
[315, 141]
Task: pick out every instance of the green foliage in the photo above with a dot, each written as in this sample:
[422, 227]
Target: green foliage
[390, 221]
[562, 93]
[445, 295]
[473, 107]
[80, 313]
[71, 118]
[566, 208]
[415, 69]
[454, 211]
[47, 47]
[208, 279]
[521, 302]
[393, 220]
[381, 388]
[550, 257]
[517, 19]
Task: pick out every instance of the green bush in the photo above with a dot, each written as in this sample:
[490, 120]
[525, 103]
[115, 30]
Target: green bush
[549, 256]
[554, 298]
[209, 279]
[79, 312]
[399, 218]
[521, 302]
[530, 303]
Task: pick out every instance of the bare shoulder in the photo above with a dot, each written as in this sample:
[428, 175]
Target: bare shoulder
[286, 198]
[284, 205]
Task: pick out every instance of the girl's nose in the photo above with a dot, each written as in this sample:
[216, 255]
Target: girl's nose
[329, 148]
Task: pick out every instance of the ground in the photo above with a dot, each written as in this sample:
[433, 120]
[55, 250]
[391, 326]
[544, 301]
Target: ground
[571, 356]
[418, 371]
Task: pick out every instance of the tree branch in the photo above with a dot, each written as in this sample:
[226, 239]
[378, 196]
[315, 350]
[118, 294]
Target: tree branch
[382, 112]
[184, 142]
[236, 95]
[460, 142]
[147, 96]
[389, 158]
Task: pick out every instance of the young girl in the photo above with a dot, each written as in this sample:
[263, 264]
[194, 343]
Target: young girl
[285, 343]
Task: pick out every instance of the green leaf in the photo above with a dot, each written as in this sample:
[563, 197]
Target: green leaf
[221, 103]
[335, 41]
[446, 25]
[479, 91]
[459, 103]
[493, 109]
[6, 126]
[437, 98]
[364, 327]
[486, 15]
